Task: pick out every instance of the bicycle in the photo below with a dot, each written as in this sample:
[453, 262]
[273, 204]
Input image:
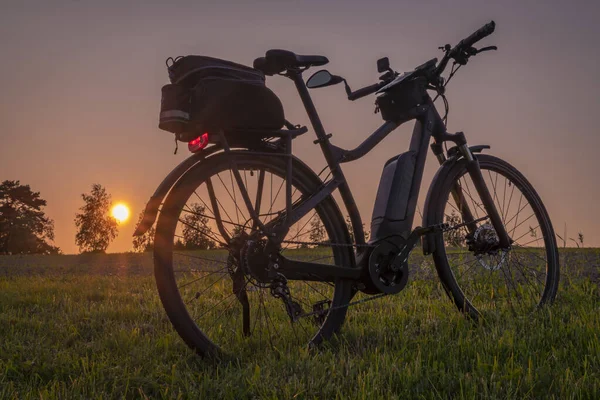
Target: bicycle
[490, 255]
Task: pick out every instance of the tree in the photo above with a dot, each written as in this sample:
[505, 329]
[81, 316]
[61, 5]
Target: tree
[24, 227]
[96, 228]
[317, 230]
[454, 237]
[144, 242]
[351, 229]
[197, 235]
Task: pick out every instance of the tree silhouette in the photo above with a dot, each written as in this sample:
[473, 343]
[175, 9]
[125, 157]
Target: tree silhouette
[454, 237]
[351, 229]
[95, 227]
[317, 230]
[197, 235]
[24, 227]
[144, 242]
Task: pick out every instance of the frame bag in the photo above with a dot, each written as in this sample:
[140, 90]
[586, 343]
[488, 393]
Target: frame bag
[211, 95]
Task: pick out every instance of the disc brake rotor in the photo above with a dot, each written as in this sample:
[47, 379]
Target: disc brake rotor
[485, 245]
[493, 262]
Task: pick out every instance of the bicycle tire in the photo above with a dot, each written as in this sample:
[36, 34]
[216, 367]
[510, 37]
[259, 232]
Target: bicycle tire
[306, 182]
[521, 257]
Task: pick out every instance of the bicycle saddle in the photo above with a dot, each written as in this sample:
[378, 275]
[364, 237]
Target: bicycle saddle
[276, 61]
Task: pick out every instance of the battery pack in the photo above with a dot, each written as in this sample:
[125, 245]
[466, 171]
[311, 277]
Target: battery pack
[391, 203]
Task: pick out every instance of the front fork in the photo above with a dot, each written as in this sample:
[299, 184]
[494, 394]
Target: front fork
[474, 171]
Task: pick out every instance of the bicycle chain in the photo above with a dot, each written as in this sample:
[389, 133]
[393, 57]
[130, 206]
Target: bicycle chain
[328, 244]
[352, 303]
[442, 227]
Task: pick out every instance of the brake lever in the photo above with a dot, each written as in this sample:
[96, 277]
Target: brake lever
[488, 48]
[463, 57]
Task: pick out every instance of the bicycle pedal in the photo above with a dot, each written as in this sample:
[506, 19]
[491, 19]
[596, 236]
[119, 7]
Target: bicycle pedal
[294, 310]
[320, 311]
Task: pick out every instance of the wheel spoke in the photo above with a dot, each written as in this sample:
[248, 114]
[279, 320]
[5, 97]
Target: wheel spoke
[523, 235]
[512, 191]
[523, 221]
[198, 294]
[201, 258]
[303, 226]
[503, 200]
[188, 211]
[238, 211]
[203, 232]
[521, 269]
[206, 207]
[259, 194]
[214, 200]
[476, 205]
[519, 209]
[471, 264]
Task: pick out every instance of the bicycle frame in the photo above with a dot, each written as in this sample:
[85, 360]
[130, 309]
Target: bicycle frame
[428, 124]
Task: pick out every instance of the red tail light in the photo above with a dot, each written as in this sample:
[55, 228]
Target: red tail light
[199, 143]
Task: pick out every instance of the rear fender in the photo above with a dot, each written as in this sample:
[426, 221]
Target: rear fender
[151, 210]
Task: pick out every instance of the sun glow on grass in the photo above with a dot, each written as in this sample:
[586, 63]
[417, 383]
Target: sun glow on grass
[120, 212]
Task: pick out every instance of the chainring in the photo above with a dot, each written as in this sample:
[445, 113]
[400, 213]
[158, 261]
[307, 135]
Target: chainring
[387, 271]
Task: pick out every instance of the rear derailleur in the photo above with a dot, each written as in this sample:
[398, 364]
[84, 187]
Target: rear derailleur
[280, 290]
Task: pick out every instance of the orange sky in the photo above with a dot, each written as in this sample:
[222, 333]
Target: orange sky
[81, 90]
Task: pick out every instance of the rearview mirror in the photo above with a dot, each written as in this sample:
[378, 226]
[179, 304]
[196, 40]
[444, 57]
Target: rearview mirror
[323, 78]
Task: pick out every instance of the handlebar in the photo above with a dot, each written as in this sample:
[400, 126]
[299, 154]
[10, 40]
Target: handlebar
[461, 51]
[463, 45]
[366, 91]
[481, 33]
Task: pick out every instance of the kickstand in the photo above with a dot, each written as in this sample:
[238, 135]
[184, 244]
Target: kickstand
[239, 289]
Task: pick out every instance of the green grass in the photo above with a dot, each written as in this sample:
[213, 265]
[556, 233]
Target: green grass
[92, 327]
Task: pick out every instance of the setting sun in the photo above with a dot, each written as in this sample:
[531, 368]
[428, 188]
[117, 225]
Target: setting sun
[120, 212]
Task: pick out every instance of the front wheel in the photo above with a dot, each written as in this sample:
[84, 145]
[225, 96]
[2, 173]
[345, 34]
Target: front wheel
[481, 278]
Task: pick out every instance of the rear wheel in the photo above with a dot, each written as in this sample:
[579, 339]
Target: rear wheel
[481, 278]
[211, 277]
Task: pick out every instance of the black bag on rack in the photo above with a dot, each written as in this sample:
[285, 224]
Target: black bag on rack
[209, 95]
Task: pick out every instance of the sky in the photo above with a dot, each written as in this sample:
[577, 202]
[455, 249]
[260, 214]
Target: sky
[80, 90]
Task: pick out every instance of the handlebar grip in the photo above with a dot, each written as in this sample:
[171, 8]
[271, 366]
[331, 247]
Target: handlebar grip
[484, 31]
[365, 91]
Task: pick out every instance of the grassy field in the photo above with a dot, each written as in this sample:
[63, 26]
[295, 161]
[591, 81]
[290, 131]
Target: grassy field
[91, 326]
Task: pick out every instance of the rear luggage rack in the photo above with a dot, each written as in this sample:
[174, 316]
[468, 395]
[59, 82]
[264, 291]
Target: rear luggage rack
[265, 133]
